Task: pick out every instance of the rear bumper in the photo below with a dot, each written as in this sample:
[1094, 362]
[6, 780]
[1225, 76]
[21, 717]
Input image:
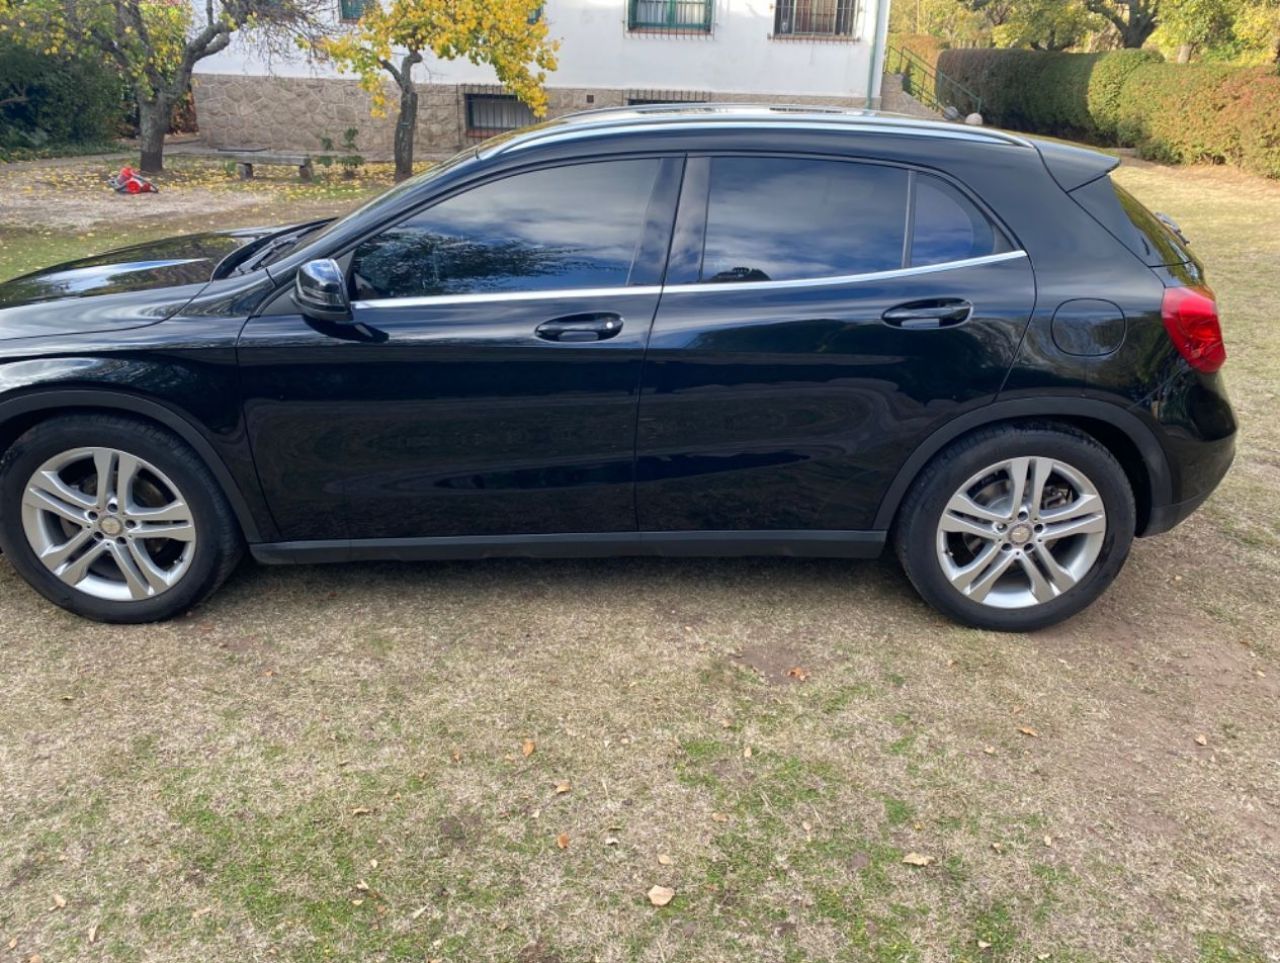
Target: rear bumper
[1192, 420]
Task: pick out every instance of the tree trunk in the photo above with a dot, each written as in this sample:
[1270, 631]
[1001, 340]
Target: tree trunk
[153, 123]
[406, 125]
[1184, 53]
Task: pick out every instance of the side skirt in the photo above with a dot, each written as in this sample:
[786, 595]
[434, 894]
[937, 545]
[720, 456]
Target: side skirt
[820, 544]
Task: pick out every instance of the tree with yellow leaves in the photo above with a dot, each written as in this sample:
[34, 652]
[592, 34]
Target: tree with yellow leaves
[390, 39]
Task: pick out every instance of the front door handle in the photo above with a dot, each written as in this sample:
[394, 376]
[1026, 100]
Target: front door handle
[580, 327]
[936, 313]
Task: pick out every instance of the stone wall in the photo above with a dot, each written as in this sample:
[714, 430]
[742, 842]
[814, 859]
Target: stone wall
[295, 112]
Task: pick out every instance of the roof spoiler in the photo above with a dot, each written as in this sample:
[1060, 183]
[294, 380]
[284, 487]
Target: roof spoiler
[1074, 167]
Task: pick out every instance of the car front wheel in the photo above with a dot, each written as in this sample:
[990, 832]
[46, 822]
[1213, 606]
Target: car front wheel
[114, 519]
[1017, 527]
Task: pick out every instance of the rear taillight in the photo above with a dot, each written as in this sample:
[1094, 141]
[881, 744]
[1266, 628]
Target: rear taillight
[1191, 318]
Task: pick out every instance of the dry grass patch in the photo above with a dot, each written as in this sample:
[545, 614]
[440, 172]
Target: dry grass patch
[329, 763]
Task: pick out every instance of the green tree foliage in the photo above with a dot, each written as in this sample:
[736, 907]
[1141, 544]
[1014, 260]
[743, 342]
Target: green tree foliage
[153, 44]
[1045, 24]
[47, 99]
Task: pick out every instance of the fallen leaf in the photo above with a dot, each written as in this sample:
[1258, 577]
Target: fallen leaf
[917, 859]
[746, 753]
[1028, 731]
[661, 895]
[361, 811]
[562, 788]
[373, 864]
[563, 840]
[527, 747]
[983, 945]
[93, 933]
[357, 902]
[664, 859]
[796, 672]
[1048, 840]
[35, 958]
[990, 750]
[13, 943]
[998, 847]
[720, 817]
[611, 840]
[59, 901]
[1201, 741]
[457, 755]
[202, 912]
[362, 886]
[1042, 956]
[418, 912]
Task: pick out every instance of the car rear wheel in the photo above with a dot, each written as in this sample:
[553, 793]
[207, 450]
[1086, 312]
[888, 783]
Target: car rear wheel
[114, 519]
[1017, 527]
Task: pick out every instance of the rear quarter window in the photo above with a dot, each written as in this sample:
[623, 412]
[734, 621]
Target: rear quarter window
[1131, 223]
[947, 226]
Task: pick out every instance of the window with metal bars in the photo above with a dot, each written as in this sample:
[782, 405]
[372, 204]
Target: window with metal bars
[489, 114]
[351, 10]
[815, 18]
[674, 15]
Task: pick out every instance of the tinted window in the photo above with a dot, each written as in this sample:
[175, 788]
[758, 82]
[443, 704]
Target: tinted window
[949, 227]
[775, 219]
[567, 227]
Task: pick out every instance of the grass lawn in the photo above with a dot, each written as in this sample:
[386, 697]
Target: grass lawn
[496, 761]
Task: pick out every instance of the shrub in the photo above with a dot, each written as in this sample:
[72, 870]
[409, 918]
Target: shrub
[1203, 112]
[1106, 81]
[62, 99]
[1180, 113]
[1027, 90]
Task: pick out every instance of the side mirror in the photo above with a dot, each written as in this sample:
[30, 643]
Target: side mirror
[320, 291]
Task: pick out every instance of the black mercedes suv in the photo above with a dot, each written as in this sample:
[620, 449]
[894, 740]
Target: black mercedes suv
[694, 330]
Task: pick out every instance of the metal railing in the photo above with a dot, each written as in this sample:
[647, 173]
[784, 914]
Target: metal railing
[935, 90]
[489, 114]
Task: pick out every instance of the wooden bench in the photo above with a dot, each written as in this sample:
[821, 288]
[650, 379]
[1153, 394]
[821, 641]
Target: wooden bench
[246, 160]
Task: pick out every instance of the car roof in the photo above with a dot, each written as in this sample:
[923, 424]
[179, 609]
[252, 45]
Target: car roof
[640, 120]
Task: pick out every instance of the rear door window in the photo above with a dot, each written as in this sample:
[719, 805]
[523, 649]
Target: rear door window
[783, 219]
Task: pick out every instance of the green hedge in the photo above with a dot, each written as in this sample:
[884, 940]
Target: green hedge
[1180, 113]
[67, 100]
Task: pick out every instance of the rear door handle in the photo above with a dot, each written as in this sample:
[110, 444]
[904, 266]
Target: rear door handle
[936, 313]
[580, 327]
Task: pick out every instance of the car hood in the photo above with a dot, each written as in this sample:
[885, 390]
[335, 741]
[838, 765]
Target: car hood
[169, 262]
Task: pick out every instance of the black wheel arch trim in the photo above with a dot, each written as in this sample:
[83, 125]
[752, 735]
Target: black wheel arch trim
[51, 400]
[1153, 456]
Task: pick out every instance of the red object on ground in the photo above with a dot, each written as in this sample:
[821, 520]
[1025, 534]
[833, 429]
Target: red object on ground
[129, 181]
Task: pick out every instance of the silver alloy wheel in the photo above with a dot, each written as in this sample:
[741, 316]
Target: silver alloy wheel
[109, 524]
[1021, 532]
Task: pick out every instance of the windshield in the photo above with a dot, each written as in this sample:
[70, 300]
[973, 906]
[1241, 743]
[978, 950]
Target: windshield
[388, 198]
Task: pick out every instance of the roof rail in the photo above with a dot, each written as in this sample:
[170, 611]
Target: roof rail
[610, 120]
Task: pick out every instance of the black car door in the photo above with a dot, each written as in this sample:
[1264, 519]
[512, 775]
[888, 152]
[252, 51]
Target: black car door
[489, 383]
[821, 317]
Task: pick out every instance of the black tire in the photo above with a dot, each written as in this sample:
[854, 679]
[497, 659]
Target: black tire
[216, 551]
[916, 534]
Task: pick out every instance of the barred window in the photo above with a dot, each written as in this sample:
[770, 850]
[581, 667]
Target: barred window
[351, 10]
[669, 15]
[489, 114]
[819, 18]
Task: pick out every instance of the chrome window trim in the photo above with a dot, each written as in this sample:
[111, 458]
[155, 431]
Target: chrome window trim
[703, 287]
[428, 299]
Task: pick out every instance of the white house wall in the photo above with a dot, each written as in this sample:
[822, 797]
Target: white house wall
[241, 97]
